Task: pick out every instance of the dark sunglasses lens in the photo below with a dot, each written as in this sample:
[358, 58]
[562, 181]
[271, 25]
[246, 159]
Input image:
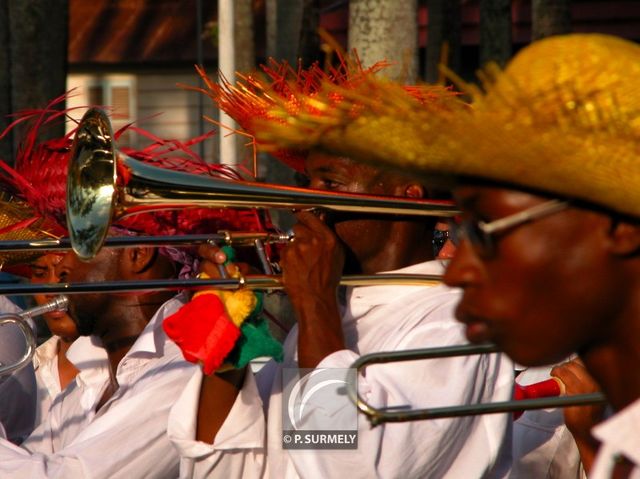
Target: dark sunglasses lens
[439, 239]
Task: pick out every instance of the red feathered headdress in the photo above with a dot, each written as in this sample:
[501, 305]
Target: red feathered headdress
[40, 176]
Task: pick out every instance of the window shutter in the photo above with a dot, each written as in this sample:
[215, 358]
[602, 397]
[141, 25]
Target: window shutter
[96, 95]
[121, 101]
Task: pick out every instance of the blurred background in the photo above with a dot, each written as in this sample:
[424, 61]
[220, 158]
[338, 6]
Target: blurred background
[130, 54]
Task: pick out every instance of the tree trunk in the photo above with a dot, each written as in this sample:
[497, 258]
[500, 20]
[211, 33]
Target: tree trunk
[245, 58]
[38, 37]
[550, 17]
[386, 30]
[444, 37]
[495, 31]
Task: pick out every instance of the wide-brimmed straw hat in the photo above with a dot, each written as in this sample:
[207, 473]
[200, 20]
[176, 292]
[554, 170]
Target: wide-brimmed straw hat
[562, 118]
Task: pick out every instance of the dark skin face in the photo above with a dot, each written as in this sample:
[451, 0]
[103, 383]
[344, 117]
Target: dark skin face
[553, 287]
[327, 247]
[43, 270]
[87, 309]
[115, 317]
[372, 243]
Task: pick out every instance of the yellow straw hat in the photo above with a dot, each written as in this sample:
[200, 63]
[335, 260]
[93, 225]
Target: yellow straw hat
[19, 222]
[563, 118]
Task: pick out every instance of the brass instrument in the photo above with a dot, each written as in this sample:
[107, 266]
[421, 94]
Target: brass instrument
[20, 319]
[378, 416]
[231, 238]
[267, 282]
[98, 194]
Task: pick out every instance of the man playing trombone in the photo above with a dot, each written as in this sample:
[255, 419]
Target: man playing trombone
[112, 422]
[336, 326]
[546, 170]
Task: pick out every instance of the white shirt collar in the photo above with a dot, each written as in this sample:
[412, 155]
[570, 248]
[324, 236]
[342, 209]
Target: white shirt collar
[89, 356]
[151, 340]
[46, 352]
[621, 432]
[87, 349]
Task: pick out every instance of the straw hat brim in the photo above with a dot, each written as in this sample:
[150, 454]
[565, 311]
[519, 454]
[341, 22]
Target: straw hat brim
[563, 119]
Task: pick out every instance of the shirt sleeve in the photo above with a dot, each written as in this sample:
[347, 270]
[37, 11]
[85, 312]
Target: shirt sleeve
[391, 450]
[238, 449]
[19, 463]
[17, 390]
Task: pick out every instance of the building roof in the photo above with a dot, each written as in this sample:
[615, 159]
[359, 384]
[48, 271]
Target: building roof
[136, 31]
[164, 31]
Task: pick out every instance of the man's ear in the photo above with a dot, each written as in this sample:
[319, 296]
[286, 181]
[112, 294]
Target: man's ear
[139, 259]
[624, 238]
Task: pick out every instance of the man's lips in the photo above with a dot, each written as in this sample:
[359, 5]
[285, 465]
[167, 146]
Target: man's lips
[477, 330]
[56, 314]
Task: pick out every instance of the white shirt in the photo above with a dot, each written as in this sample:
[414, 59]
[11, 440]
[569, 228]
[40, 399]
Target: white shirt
[543, 447]
[18, 390]
[45, 364]
[238, 450]
[619, 434]
[387, 318]
[127, 437]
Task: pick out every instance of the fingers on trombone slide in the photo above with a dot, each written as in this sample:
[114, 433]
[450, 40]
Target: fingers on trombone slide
[213, 262]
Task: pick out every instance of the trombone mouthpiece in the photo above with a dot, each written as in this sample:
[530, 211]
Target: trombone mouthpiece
[60, 303]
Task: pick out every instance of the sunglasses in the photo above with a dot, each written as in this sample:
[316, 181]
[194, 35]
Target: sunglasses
[483, 236]
[440, 237]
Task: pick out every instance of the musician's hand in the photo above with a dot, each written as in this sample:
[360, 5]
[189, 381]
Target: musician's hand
[580, 419]
[212, 260]
[312, 263]
[312, 266]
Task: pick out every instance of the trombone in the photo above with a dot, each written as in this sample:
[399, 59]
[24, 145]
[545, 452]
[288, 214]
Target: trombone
[377, 416]
[98, 191]
[20, 319]
[264, 282]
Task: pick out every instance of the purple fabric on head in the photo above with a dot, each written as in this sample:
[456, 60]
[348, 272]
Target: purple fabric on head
[188, 260]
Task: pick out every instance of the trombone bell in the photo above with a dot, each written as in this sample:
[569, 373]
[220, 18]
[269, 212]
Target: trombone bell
[97, 193]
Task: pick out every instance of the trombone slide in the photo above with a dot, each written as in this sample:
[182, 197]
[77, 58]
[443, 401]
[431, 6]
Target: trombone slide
[378, 416]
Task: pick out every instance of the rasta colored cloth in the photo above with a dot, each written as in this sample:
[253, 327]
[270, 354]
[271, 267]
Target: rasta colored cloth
[222, 330]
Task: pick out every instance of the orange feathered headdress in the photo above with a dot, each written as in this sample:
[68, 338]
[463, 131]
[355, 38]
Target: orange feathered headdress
[252, 99]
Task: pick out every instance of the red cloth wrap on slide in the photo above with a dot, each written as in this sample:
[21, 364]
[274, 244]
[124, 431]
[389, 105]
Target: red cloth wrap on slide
[544, 389]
